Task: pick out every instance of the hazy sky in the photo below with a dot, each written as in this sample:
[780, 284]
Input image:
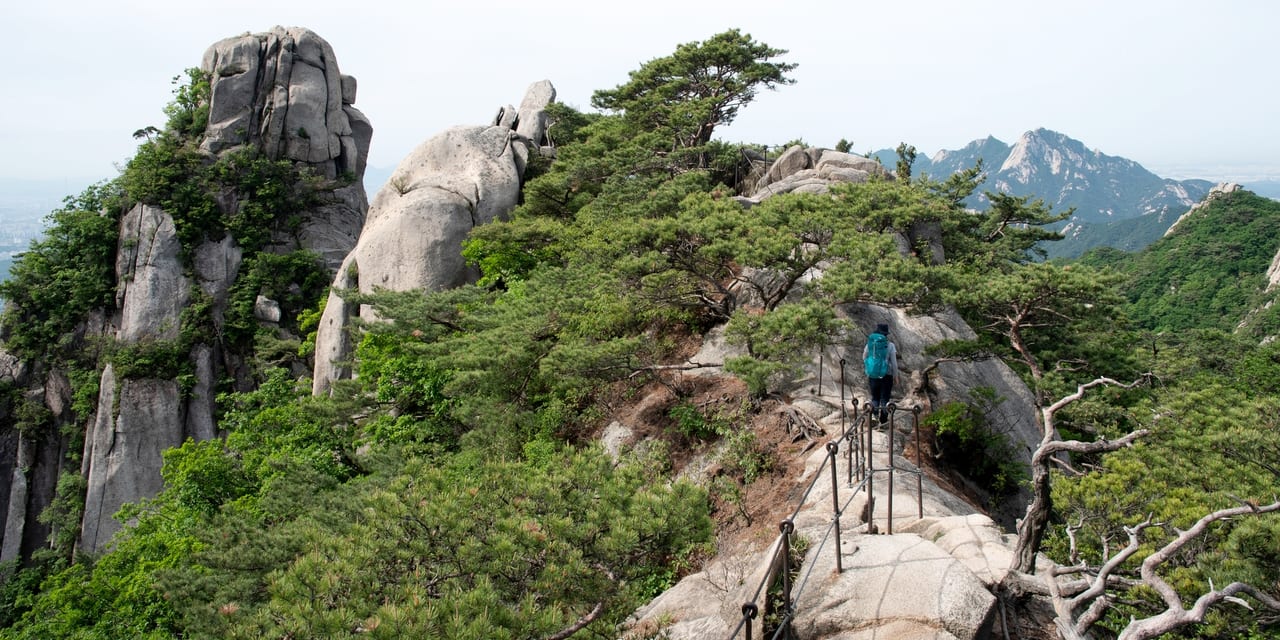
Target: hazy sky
[1185, 88]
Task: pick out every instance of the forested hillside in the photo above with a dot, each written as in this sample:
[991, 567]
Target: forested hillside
[1212, 271]
[453, 488]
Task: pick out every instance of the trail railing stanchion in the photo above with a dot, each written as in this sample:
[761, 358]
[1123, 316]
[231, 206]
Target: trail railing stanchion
[788, 528]
[869, 472]
[915, 426]
[850, 460]
[893, 409]
[832, 448]
[822, 361]
[843, 413]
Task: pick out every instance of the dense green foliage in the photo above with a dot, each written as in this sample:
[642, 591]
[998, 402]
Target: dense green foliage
[62, 276]
[680, 99]
[449, 490]
[171, 172]
[966, 442]
[1208, 272]
[1215, 441]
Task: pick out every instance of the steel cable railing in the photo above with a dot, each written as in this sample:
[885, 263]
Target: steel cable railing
[859, 460]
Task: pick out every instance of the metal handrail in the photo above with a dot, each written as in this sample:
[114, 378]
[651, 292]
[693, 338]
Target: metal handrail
[859, 458]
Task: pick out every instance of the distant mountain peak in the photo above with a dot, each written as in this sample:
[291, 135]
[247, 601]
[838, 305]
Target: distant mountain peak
[1066, 173]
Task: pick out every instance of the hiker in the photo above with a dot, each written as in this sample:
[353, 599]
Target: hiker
[880, 360]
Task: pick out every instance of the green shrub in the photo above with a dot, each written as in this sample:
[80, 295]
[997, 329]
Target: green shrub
[65, 511]
[746, 458]
[155, 359]
[189, 111]
[693, 424]
[294, 280]
[61, 277]
[966, 442]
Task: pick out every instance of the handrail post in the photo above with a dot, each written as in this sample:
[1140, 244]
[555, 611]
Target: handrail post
[832, 448]
[787, 528]
[870, 471]
[822, 360]
[843, 411]
[749, 613]
[915, 426]
[893, 409]
[853, 442]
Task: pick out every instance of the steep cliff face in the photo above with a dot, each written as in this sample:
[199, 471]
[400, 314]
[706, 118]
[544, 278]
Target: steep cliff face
[282, 92]
[453, 182]
[281, 96]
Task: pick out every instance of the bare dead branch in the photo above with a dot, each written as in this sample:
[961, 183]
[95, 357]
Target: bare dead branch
[1098, 587]
[1052, 448]
[688, 366]
[1049, 411]
[591, 615]
[1094, 613]
[1066, 466]
[1148, 568]
[1031, 527]
[1096, 599]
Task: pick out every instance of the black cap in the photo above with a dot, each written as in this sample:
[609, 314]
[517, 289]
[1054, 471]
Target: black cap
[882, 328]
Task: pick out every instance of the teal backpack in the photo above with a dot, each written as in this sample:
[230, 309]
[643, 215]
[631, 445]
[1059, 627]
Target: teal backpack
[876, 363]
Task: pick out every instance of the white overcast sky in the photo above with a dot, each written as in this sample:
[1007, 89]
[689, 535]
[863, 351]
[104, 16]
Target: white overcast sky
[1188, 89]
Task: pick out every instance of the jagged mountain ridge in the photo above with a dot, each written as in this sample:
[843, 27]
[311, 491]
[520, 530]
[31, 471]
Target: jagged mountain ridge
[1105, 191]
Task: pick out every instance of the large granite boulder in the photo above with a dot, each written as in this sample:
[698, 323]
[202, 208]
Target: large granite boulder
[153, 290]
[138, 418]
[124, 450]
[282, 92]
[461, 178]
[812, 170]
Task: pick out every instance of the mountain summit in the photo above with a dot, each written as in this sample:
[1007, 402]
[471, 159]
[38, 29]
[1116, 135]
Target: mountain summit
[1104, 190]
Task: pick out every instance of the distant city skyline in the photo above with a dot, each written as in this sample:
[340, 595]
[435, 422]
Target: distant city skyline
[1182, 88]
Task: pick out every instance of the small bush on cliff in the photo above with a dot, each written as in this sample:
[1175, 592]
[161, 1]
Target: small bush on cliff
[293, 280]
[966, 442]
[63, 276]
[189, 111]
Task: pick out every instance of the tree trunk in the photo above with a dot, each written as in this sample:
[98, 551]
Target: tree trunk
[1032, 526]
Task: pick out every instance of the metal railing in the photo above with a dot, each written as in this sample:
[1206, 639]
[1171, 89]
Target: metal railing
[779, 566]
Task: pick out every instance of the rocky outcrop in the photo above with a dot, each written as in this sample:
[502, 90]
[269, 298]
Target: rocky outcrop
[32, 464]
[282, 92]
[1219, 190]
[153, 290]
[448, 185]
[812, 170]
[124, 449]
[139, 417]
[948, 381]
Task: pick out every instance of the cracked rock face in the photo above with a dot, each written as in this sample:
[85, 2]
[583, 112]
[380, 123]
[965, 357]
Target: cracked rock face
[282, 92]
[282, 89]
[459, 179]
